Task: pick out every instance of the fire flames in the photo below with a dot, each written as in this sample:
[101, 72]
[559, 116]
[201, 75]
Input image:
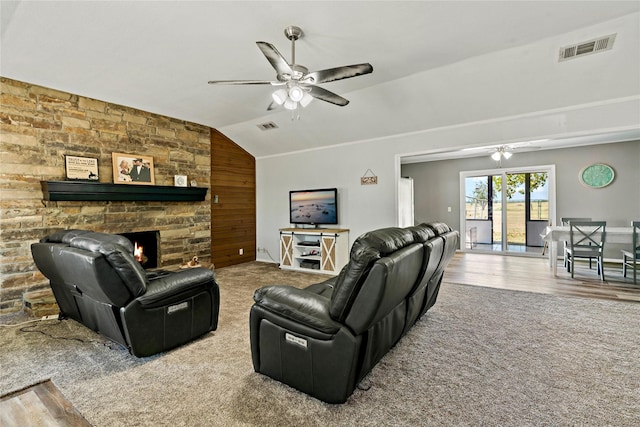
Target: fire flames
[138, 253]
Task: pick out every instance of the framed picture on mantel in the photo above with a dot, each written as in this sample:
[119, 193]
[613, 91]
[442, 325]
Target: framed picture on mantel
[81, 168]
[133, 169]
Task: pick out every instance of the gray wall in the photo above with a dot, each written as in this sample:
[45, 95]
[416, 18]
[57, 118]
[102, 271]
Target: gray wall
[437, 184]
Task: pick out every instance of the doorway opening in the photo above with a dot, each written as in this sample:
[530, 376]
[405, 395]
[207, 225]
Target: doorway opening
[506, 211]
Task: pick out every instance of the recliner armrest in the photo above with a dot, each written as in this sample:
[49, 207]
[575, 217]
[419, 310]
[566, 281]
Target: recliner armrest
[164, 287]
[299, 305]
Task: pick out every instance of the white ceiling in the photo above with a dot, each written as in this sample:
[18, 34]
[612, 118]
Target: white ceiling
[158, 56]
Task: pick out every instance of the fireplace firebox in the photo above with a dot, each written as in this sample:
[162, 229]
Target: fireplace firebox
[147, 247]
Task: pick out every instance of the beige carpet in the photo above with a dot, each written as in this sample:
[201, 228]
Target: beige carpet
[480, 356]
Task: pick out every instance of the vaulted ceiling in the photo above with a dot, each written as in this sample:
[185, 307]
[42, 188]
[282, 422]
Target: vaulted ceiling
[158, 57]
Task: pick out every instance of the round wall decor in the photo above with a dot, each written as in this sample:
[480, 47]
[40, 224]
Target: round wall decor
[597, 175]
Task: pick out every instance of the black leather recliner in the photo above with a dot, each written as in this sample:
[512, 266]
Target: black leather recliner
[97, 281]
[324, 339]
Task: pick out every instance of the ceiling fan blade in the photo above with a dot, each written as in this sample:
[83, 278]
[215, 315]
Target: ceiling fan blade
[272, 106]
[337, 73]
[242, 82]
[276, 60]
[325, 95]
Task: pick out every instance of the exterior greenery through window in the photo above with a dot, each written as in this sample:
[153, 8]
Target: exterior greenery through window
[517, 184]
[526, 197]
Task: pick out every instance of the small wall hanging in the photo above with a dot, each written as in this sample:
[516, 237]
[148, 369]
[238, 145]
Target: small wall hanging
[369, 178]
[81, 168]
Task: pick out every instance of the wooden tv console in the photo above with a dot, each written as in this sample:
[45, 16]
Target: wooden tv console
[315, 250]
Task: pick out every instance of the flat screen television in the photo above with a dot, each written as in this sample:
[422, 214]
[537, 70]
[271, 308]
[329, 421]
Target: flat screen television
[313, 207]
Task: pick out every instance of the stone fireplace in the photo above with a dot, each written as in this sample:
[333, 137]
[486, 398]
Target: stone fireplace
[147, 247]
[40, 127]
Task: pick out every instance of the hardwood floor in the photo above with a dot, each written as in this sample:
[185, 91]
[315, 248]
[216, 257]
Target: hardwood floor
[39, 405]
[534, 275]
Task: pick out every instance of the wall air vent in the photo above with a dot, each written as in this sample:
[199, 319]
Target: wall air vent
[267, 126]
[586, 48]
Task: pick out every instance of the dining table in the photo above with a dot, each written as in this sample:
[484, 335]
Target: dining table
[555, 233]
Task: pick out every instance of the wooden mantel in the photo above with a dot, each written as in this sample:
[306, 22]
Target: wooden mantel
[102, 191]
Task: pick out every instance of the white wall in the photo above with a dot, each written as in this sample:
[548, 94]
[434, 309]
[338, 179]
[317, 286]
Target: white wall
[361, 207]
[500, 98]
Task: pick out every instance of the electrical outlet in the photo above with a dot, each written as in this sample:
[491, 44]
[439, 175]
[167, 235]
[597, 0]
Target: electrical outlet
[241, 251]
[50, 317]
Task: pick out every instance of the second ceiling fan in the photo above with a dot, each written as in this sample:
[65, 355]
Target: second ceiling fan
[299, 86]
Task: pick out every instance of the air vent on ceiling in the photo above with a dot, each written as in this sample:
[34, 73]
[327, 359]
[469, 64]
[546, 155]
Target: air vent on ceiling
[267, 126]
[586, 48]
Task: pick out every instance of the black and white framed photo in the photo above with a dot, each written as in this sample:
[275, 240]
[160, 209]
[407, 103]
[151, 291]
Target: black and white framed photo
[81, 168]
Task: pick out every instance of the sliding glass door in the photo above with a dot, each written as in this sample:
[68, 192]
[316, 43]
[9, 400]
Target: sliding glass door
[507, 210]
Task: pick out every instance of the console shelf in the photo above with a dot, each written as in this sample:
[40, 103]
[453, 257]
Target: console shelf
[102, 191]
[314, 250]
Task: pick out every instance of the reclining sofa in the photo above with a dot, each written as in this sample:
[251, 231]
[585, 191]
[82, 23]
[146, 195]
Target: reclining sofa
[322, 340]
[97, 282]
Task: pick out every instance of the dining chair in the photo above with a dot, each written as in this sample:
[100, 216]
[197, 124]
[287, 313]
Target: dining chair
[565, 222]
[631, 258]
[586, 240]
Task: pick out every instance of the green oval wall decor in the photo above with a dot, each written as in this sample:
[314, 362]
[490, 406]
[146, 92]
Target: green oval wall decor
[597, 175]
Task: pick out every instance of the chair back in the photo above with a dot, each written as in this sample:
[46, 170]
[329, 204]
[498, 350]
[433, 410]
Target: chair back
[636, 238]
[366, 251]
[587, 234]
[565, 221]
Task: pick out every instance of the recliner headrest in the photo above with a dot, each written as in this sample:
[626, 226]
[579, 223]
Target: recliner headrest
[421, 233]
[384, 240]
[63, 236]
[438, 227]
[93, 241]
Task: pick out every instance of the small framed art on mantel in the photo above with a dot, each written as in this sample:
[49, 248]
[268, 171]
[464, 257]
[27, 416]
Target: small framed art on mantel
[81, 168]
[133, 169]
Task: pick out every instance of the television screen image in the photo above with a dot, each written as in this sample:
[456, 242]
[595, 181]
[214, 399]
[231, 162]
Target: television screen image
[314, 206]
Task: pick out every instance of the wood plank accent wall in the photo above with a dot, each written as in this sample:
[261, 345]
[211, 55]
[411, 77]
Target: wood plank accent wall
[233, 217]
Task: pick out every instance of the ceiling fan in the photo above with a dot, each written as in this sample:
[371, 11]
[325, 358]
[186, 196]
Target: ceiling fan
[299, 86]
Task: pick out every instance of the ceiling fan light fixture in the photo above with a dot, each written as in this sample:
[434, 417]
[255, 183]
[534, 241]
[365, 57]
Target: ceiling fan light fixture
[296, 93]
[298, 85]
[290, 105]
[501, 152]
[279, 96]
[306, 99]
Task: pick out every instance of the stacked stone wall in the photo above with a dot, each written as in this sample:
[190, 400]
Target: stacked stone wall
[39, 126]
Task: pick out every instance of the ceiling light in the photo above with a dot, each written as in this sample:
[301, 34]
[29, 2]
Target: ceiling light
[292, 97]
[290, 105]
[306, 99]
[296, 93]
[279, 96]
[501, 152]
